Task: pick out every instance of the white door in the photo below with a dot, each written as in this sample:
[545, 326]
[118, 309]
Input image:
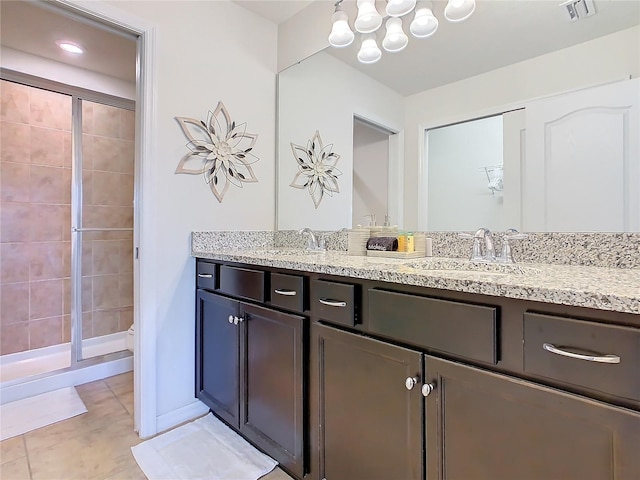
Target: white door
[582, 169]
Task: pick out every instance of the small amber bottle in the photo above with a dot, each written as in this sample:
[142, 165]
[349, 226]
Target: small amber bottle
[402, 242]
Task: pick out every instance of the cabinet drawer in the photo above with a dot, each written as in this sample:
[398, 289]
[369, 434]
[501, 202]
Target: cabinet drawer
[452, 327]
[287, 291]
[242, 282]
[335, 302]
[577, 352]
[206, 275]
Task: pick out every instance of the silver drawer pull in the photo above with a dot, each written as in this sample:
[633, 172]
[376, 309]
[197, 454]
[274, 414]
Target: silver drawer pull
[205, 275]
[589, 358]
[332, 303]
[286, 293]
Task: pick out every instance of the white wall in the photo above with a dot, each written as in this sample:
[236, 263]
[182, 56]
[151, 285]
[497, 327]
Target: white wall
[456, 156]
[304, 97]
[370, 174]
[206, 52]
[606, 59]
[68, 74]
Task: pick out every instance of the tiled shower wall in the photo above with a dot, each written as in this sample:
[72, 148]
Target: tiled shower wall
[35, 219]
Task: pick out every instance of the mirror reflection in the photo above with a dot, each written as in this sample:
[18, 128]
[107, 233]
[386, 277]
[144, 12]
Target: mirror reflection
[569, 162]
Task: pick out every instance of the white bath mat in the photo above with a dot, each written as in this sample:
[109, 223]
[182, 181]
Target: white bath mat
[38, 411]
[205, 449]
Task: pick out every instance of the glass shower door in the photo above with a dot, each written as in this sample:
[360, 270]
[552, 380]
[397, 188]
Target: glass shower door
[104, 234]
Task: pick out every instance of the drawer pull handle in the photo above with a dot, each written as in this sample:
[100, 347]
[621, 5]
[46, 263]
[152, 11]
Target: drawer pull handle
[205, 275]
[589, 358]
[286, 293]
[332, 303]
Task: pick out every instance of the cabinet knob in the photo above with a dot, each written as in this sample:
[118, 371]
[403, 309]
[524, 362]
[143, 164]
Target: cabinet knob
[240, 319]
[235, 320]
[427, 388]
[410, 382]
[230, 318]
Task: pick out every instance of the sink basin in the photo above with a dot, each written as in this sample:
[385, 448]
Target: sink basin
[461, 265]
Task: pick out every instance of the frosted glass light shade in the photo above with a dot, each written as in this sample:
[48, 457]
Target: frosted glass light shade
[459, 10]
[341, 35]
[395, 39]
[369, 51]
[424, 23]
[368, 20]
[398, 8]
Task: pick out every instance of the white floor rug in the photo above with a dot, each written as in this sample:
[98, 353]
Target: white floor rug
[27, 414]
[205, 449]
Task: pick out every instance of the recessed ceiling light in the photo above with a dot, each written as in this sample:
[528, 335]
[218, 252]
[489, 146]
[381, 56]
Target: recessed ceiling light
[71, 47]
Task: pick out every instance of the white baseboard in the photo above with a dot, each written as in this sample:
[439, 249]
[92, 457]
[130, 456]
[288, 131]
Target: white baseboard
[171, 419]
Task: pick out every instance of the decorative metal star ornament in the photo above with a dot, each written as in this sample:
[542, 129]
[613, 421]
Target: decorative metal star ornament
[316, 169]
[219, 148]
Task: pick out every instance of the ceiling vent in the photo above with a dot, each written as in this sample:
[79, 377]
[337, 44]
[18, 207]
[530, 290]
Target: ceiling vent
[577, 9]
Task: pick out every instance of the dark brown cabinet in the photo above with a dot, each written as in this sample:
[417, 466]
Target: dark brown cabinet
[369, 407]
[486, 426]
[250, 372]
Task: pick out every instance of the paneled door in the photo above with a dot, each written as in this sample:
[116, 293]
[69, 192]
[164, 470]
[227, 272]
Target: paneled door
[582, 166]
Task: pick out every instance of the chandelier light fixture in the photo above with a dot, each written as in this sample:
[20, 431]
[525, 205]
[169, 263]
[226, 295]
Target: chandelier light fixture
[368, 21]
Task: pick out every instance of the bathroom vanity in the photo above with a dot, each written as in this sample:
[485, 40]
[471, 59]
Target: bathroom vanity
[348, 368]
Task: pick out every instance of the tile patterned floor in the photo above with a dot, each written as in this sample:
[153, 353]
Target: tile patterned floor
[92, 446]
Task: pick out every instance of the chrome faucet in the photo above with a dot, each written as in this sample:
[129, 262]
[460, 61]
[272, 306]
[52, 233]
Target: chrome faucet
[477, 255]
[312, 240]
[489, 246]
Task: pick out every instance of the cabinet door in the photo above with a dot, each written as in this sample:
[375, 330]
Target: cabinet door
[272, 413]
[218, 355]
[483, 425]
[370, 424]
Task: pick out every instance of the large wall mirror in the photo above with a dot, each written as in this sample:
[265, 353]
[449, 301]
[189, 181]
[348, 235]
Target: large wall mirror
[515, 117]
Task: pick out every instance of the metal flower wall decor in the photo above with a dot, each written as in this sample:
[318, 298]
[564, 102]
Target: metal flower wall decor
[316, 169]
[219, 148]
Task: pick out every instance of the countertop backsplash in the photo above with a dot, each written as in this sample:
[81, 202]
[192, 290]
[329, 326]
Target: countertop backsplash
[610, 250]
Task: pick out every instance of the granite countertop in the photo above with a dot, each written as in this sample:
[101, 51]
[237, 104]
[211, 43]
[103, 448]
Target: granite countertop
[612, 289]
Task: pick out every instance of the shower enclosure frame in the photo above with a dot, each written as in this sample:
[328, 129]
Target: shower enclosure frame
[78, 95]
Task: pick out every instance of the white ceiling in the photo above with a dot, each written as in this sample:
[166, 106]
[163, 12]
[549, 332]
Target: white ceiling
[34, 28]
[499, 33]
[277, 11]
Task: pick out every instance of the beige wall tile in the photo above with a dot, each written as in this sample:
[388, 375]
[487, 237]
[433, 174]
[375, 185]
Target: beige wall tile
[87, 187]
[125, 256]
[15, 222]
[66, 296]
[87, 325]
[106, 188]
[66, 222]
[126, 318]
[15, 142]
[14, 102]
[48, 185]
[127, 157]
[14, 266]
[87, 117]
[45, 299]
[87, 151]
[46, 222]
[126, 290]
[50, 109]
[105, 322]
[14, 182]
[106, 259]
[107, 153]
[127, 124]
[67, 149]
[107, 217]
[66, 328]
[14, 306]
[47, 260]
[48, 146]
[106, 292]
[45, 332]
[87, 294]
[12, 449]
[87, 256]
[14, 338]
[106, 120]
[125, 194]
